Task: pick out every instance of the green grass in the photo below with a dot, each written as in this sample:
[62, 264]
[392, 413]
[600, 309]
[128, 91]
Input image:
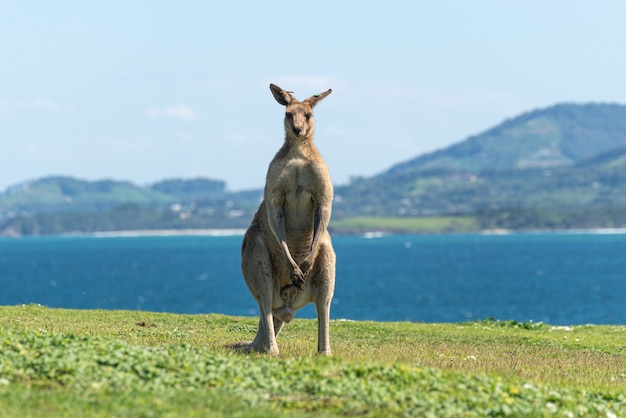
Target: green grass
[70, 363]
[428, 224]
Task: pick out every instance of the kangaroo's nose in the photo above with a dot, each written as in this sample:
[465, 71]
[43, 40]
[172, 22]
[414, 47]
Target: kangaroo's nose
[297, 130]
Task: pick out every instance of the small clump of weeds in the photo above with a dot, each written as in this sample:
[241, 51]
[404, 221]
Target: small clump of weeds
[491, 322]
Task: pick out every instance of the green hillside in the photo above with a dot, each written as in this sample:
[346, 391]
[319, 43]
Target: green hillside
[58, 193]
[560, 135]
[589, 195]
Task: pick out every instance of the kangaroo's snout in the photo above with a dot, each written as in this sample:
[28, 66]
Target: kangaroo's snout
[297, 124]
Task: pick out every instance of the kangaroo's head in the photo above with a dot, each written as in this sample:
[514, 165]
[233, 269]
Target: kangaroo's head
[299, 122]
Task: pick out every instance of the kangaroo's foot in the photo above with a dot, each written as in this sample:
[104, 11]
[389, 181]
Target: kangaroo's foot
[249, 347]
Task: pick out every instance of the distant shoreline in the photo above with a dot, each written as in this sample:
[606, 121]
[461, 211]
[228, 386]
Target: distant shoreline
[573, 231]
[159, 233]
[224, 232]
[368, 234]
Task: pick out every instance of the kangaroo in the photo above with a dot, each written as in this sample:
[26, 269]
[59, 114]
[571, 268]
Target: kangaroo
[287, 258]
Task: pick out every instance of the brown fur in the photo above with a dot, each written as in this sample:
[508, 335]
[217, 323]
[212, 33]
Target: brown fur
[287, 255]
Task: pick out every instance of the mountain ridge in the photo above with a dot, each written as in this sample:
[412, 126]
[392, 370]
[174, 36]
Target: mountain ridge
[552, 136]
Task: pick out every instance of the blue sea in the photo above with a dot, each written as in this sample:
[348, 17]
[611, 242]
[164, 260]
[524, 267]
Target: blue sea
[556, 278]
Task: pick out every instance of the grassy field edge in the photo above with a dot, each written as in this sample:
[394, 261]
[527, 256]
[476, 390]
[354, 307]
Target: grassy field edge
[59, 362]
[408, 225]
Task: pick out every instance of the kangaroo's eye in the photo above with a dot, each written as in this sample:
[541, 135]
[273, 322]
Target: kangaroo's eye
[289, 115]
[308, 116]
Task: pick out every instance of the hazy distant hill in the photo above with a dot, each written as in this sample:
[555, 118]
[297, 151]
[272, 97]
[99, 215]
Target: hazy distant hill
[58, 193]
[559, 167]
[556, 136]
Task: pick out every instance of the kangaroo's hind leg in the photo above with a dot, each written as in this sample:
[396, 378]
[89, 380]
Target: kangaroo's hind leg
[324, 285]
[256, 267]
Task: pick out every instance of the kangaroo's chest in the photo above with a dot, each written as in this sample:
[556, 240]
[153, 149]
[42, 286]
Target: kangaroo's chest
[298, 179]
[298, 190]
[297, 185]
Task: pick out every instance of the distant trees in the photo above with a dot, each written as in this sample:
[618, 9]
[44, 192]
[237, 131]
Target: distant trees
[129, 216]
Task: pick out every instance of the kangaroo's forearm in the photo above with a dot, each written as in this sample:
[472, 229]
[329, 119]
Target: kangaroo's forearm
[320, 223]
[277, 226]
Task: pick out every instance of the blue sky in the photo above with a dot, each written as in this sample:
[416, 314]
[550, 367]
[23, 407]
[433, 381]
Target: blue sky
[148, 90]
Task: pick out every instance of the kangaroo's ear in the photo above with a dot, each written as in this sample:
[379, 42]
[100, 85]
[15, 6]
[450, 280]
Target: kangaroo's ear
[316, 98]
[283, 97]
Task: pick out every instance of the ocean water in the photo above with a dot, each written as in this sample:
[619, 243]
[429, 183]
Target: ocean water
[557, 278]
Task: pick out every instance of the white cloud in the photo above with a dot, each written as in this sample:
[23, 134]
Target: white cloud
[153, 113]
[181, 112]
[45, 104]
[37, 104]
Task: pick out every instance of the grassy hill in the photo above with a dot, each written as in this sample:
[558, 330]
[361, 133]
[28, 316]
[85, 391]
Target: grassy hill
[58, 193]
[560, 135]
